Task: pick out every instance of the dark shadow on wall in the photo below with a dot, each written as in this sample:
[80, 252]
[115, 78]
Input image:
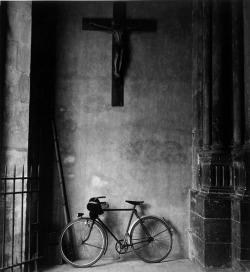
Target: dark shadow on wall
[41, 147]
[3, 41]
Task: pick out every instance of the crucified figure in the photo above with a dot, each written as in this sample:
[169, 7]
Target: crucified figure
[119, 27]
[119, 34]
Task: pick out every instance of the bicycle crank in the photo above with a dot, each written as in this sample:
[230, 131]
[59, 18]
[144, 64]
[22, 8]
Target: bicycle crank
[121, 247]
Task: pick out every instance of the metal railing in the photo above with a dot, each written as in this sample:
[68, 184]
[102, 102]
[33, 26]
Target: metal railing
[19, 220]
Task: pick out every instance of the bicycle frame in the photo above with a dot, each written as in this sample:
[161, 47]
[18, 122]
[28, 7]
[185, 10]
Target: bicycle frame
[139, 235]
[134, 212]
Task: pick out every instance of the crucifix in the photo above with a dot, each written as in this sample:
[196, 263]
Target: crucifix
[119, 27]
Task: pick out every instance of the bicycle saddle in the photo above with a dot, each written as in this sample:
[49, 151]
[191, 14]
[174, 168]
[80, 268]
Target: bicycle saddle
[134, 202]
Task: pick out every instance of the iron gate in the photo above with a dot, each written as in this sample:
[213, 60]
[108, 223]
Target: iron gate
[19, 220]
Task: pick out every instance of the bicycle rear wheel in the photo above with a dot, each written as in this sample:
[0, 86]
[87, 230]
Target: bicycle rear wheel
[82, 243]
[151, 242]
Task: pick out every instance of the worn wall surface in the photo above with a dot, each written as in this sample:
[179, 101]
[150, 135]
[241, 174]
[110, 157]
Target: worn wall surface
[16, 87]
[141, 151]
[15, 93]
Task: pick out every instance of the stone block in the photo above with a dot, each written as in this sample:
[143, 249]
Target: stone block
[245, 212]
[11, 93]
[23, 59]
[213, 206]
[245, 235]
[19, 16]
[11, 55]
[235, 210]
[197, 225]
[193, 194]
[25, 32]
[245, 254]
[12, 77]
[22, 8]
[196, 249]
[235, 254]
[217, 230]
[16, 117]
[200, 204]
[217, 255]
[235, 229]
[218, 208]
[24, 88]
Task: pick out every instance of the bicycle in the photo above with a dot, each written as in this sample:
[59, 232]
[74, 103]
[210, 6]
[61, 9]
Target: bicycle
[84, 240]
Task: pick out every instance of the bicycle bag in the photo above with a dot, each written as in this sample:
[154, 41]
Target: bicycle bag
[95, 208]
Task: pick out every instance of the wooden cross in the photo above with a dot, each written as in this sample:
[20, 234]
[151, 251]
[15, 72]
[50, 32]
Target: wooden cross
[119, 28]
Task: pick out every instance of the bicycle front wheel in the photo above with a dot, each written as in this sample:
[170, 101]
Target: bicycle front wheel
[151, 239]
[82, 242]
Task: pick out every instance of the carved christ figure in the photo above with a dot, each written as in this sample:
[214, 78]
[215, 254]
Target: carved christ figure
[119, 34]
[119, 27]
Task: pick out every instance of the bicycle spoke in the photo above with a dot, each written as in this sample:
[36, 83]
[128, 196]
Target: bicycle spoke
[92, 245]
[74, 250]
[159, 247]
[160, 233]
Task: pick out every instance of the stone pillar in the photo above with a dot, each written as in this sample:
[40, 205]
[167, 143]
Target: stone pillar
[241, 200]
[206, 72]
[197, 84]
[16, 85]
[15, 93]
[218, 164]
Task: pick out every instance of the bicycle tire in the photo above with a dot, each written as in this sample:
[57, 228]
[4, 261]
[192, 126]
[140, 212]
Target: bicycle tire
[159, 247]
[77, 252]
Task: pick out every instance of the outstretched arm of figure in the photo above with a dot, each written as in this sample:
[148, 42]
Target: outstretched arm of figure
[101, 27]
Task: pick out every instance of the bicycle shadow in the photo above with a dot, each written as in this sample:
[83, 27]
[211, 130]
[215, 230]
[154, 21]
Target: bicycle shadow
[177, 247]
[144, 208]
[177, 241]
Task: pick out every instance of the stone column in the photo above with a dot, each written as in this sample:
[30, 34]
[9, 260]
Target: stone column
[17, 85]
[246, 8]
[197, 89]
[207, 72]
[241, 200]
[15, 93]
[211, 204]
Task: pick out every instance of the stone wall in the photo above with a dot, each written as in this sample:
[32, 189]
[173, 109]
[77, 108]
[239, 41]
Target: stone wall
[15, 94]
[17, 84]
[141, 151]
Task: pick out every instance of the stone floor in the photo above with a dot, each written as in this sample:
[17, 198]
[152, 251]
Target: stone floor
[133, 265]
[108, 265]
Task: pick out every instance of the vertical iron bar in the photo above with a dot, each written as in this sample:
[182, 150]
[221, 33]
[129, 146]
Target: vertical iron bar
[37, 211]
[22, 216]
[29, 216]
[4, 217]
[13, 216]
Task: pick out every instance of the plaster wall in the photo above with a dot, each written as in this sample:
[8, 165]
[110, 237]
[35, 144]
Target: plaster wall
[141, 151]
[16, 85]
[14, 126]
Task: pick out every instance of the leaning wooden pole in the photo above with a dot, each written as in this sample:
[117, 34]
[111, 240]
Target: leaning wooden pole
[61, 175]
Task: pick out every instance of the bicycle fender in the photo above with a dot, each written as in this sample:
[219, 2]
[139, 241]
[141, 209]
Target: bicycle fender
[106, 246]
[171, 229]
[106, 237]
